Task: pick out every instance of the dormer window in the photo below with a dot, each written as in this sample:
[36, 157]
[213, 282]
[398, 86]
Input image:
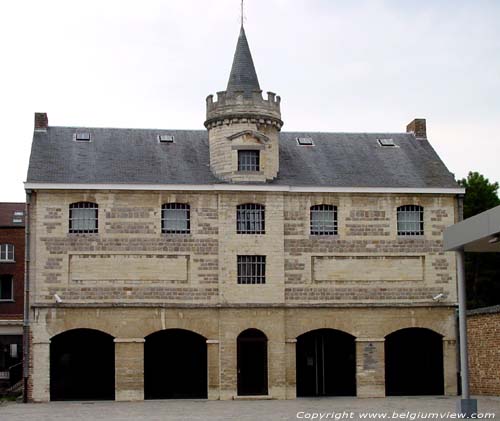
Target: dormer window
[248, 160]
[82, 137]
[166, 138]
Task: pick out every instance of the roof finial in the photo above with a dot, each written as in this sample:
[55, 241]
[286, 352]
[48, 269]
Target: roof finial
[242, 12]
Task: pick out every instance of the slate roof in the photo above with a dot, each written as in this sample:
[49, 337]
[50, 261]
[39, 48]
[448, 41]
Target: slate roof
[134, 156]
[243, 76]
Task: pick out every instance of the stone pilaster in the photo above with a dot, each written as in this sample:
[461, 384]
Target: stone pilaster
[213, 361]
[129, 369]
[450, 366]
[41, 371]
[291, 368]
[370, 367]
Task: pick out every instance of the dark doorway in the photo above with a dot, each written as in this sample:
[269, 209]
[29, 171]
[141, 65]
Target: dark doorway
[326, 363]
[414, 363]
[252, 363]
[82, 366]
[175, 365]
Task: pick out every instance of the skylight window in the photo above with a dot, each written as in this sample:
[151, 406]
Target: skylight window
[305, 141]
[166, 138]
[82, 137]
[389, 143]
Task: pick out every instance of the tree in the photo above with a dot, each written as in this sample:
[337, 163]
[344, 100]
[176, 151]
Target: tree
[482, 270]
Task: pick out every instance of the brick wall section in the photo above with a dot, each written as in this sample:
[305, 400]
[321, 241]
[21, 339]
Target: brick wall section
[484, 351]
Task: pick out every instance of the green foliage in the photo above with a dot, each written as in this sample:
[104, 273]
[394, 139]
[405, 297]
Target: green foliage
[480, 194]
[482, 270]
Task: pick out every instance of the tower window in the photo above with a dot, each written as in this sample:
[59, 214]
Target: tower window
[248, 160]
[251, 269]
[250, 219]
[175, 218]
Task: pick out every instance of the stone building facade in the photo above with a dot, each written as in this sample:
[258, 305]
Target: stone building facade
[239, 261]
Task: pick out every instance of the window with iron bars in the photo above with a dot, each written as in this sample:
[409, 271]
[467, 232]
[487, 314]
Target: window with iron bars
[410, 220]
[324, 220]
[6, 252]
[248, 160]
[250, 219]
[83, 218]
[251, 269]
[175, 218]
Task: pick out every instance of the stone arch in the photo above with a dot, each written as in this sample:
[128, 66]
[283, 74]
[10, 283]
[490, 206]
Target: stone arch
[175, 365]
[414, 362]
[326, 363]
[82, 365]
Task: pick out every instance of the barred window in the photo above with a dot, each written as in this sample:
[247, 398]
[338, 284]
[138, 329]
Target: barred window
[251, 269]
[83, 217]
[248, 160]
[6, 252]
[323, 220]
[410, 220]
[250, 219]
[6, 288]
[175, 218]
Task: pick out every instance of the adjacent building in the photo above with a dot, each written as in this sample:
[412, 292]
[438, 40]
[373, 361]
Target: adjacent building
[240, 260]
[12, 239]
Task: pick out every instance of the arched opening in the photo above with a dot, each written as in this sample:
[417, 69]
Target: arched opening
[175, 365]
[82, 366]
[252, 363]
[326, 363]
[414, 363]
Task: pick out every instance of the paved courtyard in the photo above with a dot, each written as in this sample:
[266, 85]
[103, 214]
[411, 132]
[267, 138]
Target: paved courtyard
[408, 408]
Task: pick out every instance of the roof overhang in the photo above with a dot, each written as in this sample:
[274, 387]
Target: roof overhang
[243, 187]
[481, 233]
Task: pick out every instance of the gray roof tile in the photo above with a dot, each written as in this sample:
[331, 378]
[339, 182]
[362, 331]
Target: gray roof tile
[134, 156]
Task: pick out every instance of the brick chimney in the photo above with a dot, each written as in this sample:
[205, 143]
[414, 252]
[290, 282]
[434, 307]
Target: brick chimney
[418, 127]
[41, 122]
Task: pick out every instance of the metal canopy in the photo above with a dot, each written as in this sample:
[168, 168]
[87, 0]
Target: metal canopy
[481, 233]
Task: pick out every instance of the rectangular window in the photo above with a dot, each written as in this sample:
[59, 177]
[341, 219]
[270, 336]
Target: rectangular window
[323, 220]
[6, 288]
[83, 218]
[175, 218]
[6, 252]
[248, 160]
[250, 219]
[410, 220]
[82, 137]
[251, 269]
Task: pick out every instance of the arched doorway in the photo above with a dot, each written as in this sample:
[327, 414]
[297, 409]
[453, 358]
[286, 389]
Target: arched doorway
[175, 365]
[252, 363]
[82, 366]
[414, 363]
[326, 363]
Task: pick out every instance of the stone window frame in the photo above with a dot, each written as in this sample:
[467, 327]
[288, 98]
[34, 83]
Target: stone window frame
[249, 160]
[245, 212]
[323, 229]
[7, 278]
[176, 206]
[403, 227]
[7, 253]
[92, 218]
[251, 269]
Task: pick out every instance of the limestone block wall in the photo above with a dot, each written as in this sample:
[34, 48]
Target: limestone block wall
[131, 261]
[367, 261]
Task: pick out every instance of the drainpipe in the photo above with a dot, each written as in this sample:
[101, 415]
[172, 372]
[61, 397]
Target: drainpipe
[26, 330]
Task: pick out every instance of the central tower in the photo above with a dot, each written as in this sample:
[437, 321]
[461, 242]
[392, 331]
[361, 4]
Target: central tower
[243, 127]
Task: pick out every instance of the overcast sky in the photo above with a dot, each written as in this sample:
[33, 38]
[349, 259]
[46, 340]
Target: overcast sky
[348, 65]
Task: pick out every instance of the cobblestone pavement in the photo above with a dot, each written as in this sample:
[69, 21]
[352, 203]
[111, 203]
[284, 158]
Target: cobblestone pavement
[335, 408]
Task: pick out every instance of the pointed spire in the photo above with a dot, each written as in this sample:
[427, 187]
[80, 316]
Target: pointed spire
[243, 76]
